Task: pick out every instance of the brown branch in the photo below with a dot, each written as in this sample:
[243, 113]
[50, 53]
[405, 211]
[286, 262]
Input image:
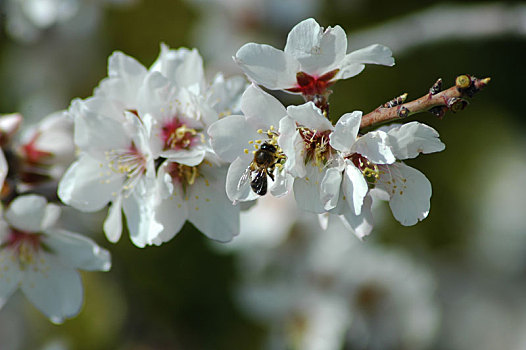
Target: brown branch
[436, 102]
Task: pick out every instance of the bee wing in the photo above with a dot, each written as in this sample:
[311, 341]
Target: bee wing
[259, 182]
[243, 181]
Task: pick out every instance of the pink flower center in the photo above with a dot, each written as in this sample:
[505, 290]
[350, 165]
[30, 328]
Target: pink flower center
[130, 162]
[176, 135]
[183, 175]
[32, 154]
[310, 86]
[25, 245]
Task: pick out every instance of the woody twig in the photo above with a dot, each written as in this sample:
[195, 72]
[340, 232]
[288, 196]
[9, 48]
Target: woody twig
[437, 102]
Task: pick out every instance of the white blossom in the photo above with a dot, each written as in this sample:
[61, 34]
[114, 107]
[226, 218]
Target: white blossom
[313, 59]
[41, 259]
[237, 138]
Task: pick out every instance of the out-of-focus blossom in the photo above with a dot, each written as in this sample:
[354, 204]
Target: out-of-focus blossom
[27, 19]
[225, 25]
[324, 290]
[46, 149]
[41, 259]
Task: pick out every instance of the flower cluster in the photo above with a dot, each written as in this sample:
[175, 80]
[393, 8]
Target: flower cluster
[164, 146]
[38, 255]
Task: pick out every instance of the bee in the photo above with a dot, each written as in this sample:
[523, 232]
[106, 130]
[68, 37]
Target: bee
[263, 164]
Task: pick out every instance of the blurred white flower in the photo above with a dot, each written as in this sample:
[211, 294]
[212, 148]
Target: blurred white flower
[47, 148]
[324, 290]
[27, 19]
[41, 259]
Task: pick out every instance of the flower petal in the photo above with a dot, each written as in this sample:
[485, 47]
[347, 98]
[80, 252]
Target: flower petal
[88, 185]
[310, 116]
[79, 251]
[346, 131]
[292, 146]
[258, 104]
[113, 223]
[411, 139]
[307, 190]
[236, 189]
[410, 192]
[361, 225]
[374, 145]
[3, 168]
[55, 289]
[184, 67]
[31, 213]
[190, 157]
[354, 62]
[282, 185]
[330, 187]
[230, 136]
[317, 50]
[267, 66]
[172, 213]
[210, 210]
[140, 218]
[10, 274]
[354, 187]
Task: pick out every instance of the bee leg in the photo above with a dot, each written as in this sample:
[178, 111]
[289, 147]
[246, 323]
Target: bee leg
[270, 172]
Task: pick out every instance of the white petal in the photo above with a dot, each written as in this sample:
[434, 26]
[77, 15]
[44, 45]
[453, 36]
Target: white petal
[88, 186]
[292, 146]
[346, 131]
[361, 225]
[124, 66]
[317, 50]
[113, 223]
[282, 185]
[268, 66]
[3, 168]
[55, 289]
[264, 107]
[125, 76]
[172, 213]
[140, 218]
[354, 188]
[236, 189]
[310, 116]
[229, 136]
[32, 213]
[184, 67]
[374, 145]
[354, 62]
[210, 210]
[307, 190]
[191, 157]
[79, 251]
[330, 188]
[410, 192]
[10, 274]
[98, 129]
[411, 139]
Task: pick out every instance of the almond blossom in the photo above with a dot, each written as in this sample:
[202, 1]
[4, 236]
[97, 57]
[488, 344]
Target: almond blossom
[313, 59]
[41, 259]
[237, 138]
[370, 162]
